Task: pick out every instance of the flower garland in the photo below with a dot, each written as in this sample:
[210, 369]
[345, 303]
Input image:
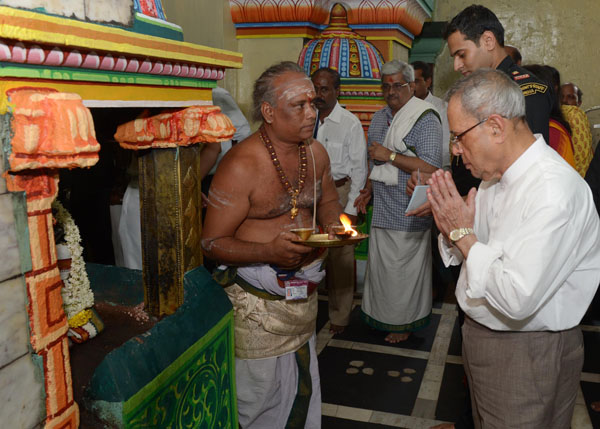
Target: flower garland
[77, 294]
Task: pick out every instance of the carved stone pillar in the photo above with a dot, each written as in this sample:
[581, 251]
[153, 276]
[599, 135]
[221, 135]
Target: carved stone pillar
[170, 204]
[170, 196]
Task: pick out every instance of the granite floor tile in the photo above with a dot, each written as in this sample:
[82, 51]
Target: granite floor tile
[353, 413]
[358, 331]
[367, 380]
[592, 352]
[357, 386]
[452, 400]
[338, 423]
[409, 422]
[455, 347]
[591, 393]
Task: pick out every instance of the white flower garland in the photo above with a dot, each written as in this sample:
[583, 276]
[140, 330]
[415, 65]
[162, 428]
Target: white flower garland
[77, 294]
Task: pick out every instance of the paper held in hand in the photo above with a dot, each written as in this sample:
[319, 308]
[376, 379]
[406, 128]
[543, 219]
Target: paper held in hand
[419, 197]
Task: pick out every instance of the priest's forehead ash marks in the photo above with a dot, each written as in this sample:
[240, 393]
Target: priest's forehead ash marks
[296, 85]
[218, 198]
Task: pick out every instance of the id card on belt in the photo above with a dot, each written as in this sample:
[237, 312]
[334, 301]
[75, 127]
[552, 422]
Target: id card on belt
[296, 289]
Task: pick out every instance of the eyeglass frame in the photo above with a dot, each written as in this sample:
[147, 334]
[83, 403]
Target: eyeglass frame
[396, 85]
[455, 138]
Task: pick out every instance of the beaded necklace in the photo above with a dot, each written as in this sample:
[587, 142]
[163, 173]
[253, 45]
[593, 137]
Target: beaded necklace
[284, 180]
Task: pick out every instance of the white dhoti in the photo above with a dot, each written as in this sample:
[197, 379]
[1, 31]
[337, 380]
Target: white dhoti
[277, 374]
[397, 296]
[267, 390]
[130, 230]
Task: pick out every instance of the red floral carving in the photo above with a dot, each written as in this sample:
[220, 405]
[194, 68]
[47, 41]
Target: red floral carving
[182, 128]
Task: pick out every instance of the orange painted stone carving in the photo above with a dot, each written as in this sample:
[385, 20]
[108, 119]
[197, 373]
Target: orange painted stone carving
[51, 130]
[47, 320]
[407, 13]
[196, 124]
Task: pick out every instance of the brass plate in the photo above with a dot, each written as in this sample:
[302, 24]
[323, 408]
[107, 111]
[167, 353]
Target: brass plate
[321, 240]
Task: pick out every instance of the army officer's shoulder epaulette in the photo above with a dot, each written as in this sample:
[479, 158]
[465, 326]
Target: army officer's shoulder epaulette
[518, 75]
[528, 83]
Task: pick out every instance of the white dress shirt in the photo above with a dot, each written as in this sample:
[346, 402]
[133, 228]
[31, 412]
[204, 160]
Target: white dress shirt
[442, 107]
[536, 264]
[342, 135]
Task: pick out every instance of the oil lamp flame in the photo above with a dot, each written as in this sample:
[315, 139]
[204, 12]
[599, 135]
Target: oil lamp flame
[348, 225]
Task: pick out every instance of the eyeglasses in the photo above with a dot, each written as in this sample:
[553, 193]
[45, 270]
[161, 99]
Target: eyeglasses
[456, 138]
[397, 86]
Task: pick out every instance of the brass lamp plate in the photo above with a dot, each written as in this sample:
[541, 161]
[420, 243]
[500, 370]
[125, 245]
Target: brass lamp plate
[322, 240]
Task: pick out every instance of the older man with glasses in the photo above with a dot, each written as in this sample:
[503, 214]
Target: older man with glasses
[404, 137]
[528, 241]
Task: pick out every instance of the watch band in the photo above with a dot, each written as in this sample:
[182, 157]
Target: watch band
[393, 156]
[457, 234]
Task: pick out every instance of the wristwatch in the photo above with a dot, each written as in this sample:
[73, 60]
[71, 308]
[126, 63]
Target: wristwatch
[457, 234]
[393, 156]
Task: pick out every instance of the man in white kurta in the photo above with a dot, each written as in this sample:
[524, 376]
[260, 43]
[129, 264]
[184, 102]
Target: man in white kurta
[529, 239]
[340, 131]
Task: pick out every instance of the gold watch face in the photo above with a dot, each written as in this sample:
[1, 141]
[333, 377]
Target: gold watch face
[455, 234]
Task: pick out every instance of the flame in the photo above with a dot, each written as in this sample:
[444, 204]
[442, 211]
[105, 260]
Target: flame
[348, 225]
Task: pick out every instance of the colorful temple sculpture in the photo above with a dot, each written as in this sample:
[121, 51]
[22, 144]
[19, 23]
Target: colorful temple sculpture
[60, 61]
[355, 38]
[357, 61]
[382, 21]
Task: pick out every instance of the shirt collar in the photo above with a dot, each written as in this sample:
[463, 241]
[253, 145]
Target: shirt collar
[525, 161]
[336, 114]
[388, 112]
[506, 64]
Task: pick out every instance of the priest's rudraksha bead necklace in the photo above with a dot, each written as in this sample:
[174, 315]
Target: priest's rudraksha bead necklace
[294, 193]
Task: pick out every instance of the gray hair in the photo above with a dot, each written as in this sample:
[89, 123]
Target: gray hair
[397, 66]
[486, 92]
[264, 91]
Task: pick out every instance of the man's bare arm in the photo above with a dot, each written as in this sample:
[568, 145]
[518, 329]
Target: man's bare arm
[364, 197]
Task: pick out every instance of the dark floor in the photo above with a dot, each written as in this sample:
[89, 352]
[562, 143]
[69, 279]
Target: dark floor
[122, 323]
[368, 383]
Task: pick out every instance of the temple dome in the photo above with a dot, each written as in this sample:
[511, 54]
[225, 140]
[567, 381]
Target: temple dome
[340, 48]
